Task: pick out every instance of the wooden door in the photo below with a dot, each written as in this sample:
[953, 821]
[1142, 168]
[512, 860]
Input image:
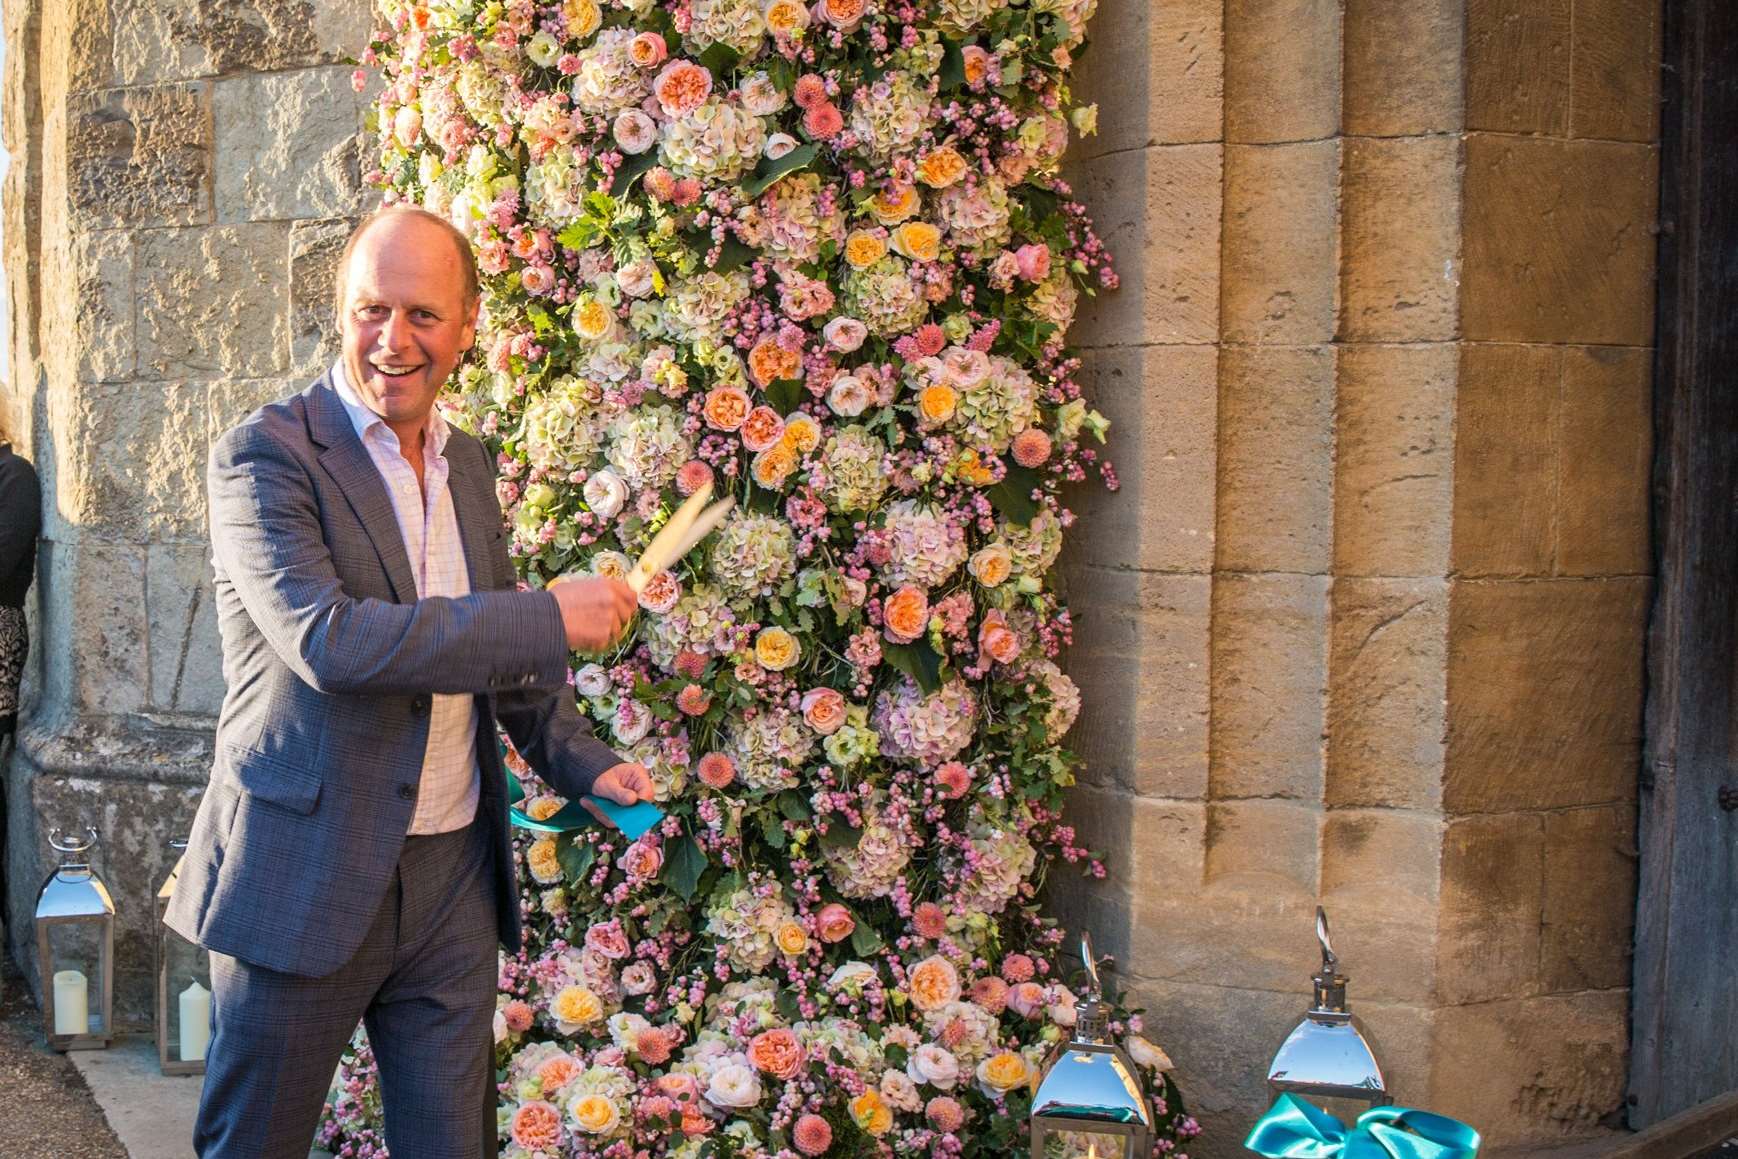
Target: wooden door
[1686, 963]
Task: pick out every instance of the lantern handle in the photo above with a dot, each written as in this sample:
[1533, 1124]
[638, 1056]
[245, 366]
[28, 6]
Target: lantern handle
[178, 843]
[72, 844]
[1091, 961]
[1330, 960]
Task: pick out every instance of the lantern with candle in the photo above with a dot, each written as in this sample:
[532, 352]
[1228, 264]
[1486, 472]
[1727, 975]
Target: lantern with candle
[75, 948]
[1326, 1057]
[183, 991]
[1090, 1103]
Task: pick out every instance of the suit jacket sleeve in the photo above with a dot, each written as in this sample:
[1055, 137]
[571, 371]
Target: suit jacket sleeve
[20, 512]
[545, 724]
[268, 539]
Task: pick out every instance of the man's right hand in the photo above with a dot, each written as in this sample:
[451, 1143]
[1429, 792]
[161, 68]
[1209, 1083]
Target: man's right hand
[594, 610]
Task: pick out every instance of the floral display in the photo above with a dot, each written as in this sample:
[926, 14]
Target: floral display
[817, 255]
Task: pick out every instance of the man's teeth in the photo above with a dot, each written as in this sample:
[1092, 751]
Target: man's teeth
[396, 371]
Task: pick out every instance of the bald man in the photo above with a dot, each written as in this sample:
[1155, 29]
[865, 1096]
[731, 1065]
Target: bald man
[351, 858]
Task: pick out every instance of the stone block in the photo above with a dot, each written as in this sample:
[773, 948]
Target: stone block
[1255, 929]
[1255, 840]
[1387, 680]
[103, 302]
[1276, 459]
[91, 594]
[315, 249]
[1505, 460]
[1614, 70]
[179, 39]
[1282, 70]
[1517, 65]
[1535, 1070]
[1400, 222]
[1493, 887]
[1281, 244]
[289, 145]
[84, 31]
[214, 302]
[185, 652]
[1162, 402]
[1559, 241]
[134, 465]
[1140, 658]
[139, 157]
[1158, 211]
[1394, 459]
[1268, 682]
[1544, 693]
[1589, 909]
[1603, 464]
[1157, 73]
[1403, 67]
[1380, 883]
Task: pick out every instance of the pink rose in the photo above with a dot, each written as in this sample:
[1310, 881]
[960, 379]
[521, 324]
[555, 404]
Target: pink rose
[641, 861]
[681, 87]
[648, 50]
[1033, 261]
[824, 710]
[607, 939]
[834, 923]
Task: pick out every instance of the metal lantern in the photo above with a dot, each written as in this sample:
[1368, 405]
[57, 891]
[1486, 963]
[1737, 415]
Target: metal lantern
[1327, 1058]
[1090, 1103]
[75, 948]
[183, 991]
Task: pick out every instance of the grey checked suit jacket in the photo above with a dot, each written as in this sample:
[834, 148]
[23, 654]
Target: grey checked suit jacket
[330, 660]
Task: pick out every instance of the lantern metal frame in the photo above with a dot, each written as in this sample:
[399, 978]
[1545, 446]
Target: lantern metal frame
[1090, 1085]
[73, 895]
[1327, 1055]
[161, 943]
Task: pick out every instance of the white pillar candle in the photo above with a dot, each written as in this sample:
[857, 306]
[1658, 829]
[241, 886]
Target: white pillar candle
[71, 1010]
[195, 1022]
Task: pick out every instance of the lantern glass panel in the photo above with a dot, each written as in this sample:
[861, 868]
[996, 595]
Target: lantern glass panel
[1077, 1143]
[76, 974]
[187, 1008]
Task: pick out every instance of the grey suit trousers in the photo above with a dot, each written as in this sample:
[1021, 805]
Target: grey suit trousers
[424, 983]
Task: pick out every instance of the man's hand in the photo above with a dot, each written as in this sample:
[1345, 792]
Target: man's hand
[594, 610]
[623, 784]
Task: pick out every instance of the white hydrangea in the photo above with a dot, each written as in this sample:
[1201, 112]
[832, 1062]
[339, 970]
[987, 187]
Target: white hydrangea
[647, 446]
[608, 80]
[716, 142]
[888, 116]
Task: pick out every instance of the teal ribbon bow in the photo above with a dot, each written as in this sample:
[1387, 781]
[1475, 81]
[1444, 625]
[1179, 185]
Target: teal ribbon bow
[1295, 1129]
[633, 820]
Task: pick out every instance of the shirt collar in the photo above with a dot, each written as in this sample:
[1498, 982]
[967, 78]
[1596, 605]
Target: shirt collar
[365, 420]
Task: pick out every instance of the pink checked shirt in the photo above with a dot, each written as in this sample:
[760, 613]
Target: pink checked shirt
[447, 799]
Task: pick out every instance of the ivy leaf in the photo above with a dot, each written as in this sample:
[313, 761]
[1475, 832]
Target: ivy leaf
[774, 831]
[576, 858]
[783, 394]
[953, 66]
[840, 837]
[684, 862]
[792, 807]
[864, 940]
[732, 255]
[631, 171]
[769, 170]
[720, 59]
[1013, 496]
[917, 661]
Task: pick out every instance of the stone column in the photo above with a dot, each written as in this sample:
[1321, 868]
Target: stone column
[182, 172]
[1401, 672]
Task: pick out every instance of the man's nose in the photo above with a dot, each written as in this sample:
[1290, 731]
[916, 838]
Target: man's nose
[395, 333]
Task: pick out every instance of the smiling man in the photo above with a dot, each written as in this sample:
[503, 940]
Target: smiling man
[351, 858]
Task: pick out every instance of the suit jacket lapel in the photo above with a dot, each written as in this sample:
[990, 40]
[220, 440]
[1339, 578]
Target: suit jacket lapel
[346, 461]
[475, 507]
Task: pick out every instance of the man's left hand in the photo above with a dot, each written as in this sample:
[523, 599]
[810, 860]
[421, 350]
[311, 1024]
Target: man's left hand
[623, 784]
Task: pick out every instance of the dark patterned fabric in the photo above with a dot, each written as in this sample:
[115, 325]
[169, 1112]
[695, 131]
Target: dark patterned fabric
[14, 646]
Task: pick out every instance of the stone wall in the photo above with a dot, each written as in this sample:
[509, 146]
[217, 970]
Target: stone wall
[1365, 623]
[182, 173]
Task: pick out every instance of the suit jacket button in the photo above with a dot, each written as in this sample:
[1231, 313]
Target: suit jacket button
[419, 705]
[407, 791]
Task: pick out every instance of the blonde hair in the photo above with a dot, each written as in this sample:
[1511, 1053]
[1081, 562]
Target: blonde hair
[461, 243]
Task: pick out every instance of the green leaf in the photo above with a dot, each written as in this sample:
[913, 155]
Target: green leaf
[840, 836]
[953, 66]
[773, 830]
[578, 235]
[769, 170]
[1013, 495]
[784, 394]
[631, 171]
[917, 661]
[864, 940]
[732, 255]
[576, 858]
[684, 862]
[720, 59]
[793, 808]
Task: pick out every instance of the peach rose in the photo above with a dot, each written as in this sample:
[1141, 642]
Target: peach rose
[773, 466]
[802, 433]
[762, 429]
[936, 404]
[834, 923]
[776, 649]
[996, 640]
[595, 1114]
[977, 62]
[863, 249]
[726, 407]
[776, 1052]
[537, 1126]
[556, 1073]
[661, 592]
[917, 240]
[824, 710]
[577, 1005]
[681, 87]
[592, 319]
[1004, 1071]
[933, 983]
[906, 614]
[785, 17]
[648, 50]
[791, 938]
[895, 202]
[843, 14]
[769, 362]
[991, 564]
[941, 167]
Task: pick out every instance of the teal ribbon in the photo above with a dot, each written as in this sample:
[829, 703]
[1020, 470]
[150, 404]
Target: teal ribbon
[633, 820]
[1295, 1129]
